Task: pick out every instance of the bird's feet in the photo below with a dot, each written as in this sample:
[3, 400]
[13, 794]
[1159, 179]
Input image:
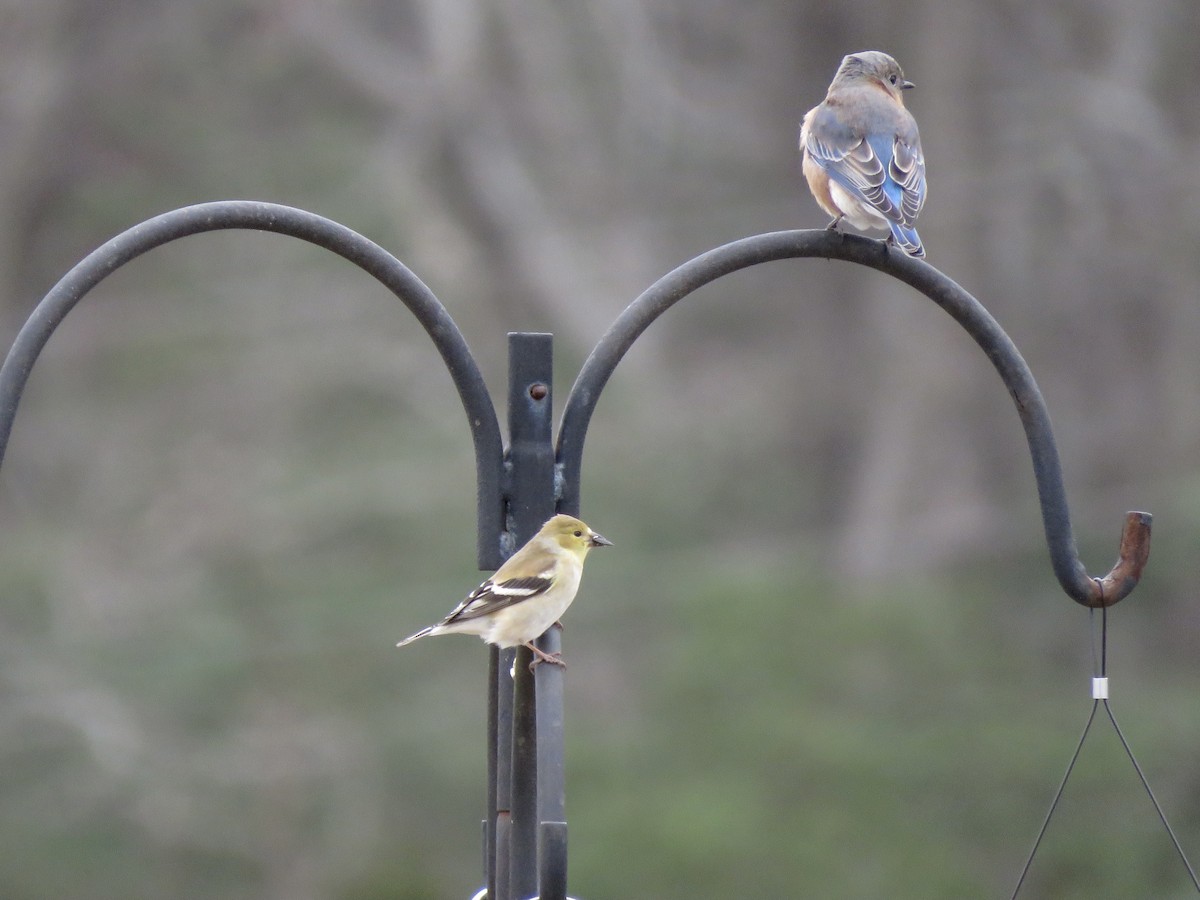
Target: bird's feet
[541, 656]
[833, 226]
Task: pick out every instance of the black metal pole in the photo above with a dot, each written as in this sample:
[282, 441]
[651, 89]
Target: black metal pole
[551, 775]
[502, 741]
[531, 501]
[496, 832]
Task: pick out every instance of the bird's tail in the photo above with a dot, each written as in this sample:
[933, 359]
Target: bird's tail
[907, 240]
[420, 634]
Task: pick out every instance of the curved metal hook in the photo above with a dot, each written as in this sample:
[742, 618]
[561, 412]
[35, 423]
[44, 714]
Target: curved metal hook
[966, 310]
[230, 214]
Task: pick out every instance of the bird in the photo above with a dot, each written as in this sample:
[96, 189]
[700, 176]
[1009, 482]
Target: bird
[527, 594]
[861, 150]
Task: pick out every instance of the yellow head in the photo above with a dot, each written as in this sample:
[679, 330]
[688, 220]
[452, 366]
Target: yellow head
[572, 534]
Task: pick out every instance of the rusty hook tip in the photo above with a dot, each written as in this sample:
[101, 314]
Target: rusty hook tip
[1132, 556]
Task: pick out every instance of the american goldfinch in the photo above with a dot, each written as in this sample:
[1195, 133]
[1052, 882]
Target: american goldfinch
[527, 594]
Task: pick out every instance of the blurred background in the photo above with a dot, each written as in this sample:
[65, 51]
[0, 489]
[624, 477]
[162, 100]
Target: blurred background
[827, 657]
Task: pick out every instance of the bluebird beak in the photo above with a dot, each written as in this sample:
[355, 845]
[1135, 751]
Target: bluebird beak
[905, 85]
[599, 540]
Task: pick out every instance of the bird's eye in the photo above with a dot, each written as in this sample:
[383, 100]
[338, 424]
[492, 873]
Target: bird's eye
[892, 78]
[578, 534]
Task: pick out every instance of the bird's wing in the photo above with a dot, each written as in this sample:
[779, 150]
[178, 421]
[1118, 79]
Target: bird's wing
[907, 171]
[887, 172]
[493, 596]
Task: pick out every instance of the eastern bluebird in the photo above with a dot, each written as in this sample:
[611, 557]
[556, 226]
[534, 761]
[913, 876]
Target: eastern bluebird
[862, 153]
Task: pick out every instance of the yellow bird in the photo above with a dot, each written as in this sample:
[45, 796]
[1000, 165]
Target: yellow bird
[527, 594]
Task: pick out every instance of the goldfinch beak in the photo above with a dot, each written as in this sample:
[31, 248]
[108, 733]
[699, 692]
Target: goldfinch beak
[599, 540]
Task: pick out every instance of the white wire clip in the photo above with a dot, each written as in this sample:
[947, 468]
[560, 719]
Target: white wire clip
[1099, 688]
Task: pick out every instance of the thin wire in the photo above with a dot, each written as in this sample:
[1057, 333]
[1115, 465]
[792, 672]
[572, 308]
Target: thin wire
[1054, 803]
[1099, 667]
[1092, 638]
[1104, 642]
[1158, 809]
[1128, 752]
[1133, 759]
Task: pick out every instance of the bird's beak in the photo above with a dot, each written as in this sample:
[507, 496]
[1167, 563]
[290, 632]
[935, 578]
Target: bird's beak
[906, 85]
[599, 540]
